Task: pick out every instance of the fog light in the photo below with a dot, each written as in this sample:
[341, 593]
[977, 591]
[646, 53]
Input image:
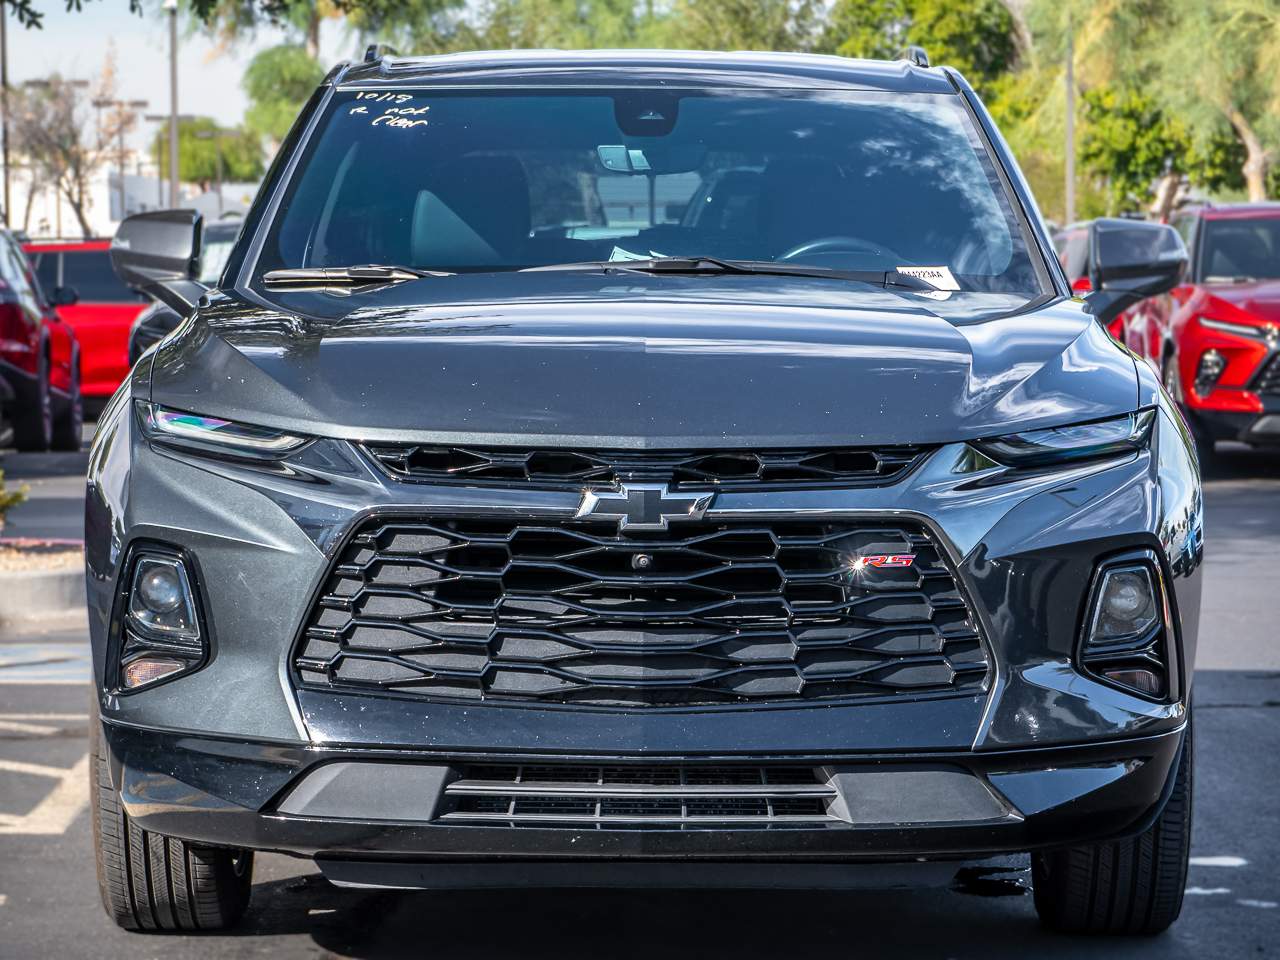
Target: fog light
[1144, 681]
[1212, 364]
[1126, 605]
[144, 670]
[160, 602]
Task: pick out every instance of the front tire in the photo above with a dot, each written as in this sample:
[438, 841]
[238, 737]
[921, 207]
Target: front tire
[33, 419]
[1205, 451]
[1132, 886]
[149, 881]
[68, 426]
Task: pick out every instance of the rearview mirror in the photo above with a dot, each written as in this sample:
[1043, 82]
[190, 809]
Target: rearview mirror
[158, 254]
[1131, 260]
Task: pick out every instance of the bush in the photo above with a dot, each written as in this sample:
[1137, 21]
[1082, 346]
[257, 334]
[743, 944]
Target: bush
[9, 498]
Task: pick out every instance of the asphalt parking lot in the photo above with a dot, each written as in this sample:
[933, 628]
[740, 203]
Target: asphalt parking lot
[49, 903]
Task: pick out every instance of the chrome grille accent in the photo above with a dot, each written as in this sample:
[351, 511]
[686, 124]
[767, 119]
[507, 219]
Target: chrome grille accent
[619, 796]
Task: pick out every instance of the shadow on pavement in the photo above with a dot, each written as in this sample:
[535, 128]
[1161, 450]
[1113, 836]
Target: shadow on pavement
[1235, 461]
[566, 924]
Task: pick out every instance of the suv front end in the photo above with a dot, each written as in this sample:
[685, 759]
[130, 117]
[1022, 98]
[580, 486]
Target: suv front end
[652, 575]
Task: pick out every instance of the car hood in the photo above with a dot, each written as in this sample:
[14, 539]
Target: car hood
[635, 361]
[1261, 299]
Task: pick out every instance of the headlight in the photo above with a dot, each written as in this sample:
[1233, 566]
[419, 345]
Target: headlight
[1269, 332]
[1085, 441]
[213, 433]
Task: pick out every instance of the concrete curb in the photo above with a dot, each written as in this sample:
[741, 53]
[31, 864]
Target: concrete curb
[41, 598]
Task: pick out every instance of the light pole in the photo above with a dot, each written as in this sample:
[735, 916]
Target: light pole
[172, 7]
[4, 99]
[119, 106]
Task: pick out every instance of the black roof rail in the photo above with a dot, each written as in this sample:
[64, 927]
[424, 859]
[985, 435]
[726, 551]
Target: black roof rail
[376, 51]
[915, 54]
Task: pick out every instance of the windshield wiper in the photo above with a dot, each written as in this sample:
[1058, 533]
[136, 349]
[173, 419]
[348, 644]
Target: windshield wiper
[344, 279]
[715, 265]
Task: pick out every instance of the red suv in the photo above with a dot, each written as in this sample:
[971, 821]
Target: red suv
[40, 403]
[1216, 338]
[104, 314]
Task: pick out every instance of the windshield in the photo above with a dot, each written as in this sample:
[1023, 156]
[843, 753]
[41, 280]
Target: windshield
[1237, 251]
[468, 181]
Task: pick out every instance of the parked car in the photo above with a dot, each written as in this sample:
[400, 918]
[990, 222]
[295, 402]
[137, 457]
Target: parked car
[104, 313]
[473, 532]
[159, 320]
[40, 401]
[1215, 338]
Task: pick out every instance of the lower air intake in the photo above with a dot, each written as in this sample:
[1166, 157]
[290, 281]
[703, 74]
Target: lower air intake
[635, 797]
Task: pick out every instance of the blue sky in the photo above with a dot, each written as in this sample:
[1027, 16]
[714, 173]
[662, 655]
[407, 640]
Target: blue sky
[76, 44]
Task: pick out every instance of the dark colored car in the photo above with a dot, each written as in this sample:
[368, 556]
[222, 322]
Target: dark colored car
[1215, 339]
[103, 314]
[40, 405]
[159, 320]
[499, 521]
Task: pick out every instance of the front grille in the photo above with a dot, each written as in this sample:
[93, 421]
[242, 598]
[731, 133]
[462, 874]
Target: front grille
[575, 613]
[638, 796]
[1268, 381]
[689, 468]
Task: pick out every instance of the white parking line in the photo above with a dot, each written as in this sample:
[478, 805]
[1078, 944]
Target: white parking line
[1219, 862]
[50, 723]
[1261, 904]
[59, 809]
[1202, 892]
[55, 662]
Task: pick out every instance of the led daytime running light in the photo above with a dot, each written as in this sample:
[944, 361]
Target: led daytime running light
[1086, 441]
[178, 426]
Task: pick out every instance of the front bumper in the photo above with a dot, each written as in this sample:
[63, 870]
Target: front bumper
[1261, 429]
[355, 806]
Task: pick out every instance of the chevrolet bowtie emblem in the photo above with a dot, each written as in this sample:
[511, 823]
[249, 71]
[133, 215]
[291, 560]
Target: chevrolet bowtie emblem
[642, 507]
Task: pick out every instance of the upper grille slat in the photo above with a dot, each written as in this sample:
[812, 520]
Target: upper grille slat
[684, 468]
[726, 613]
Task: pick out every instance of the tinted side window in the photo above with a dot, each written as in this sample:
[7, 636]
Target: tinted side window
[1241, 251]
[90, 272]
[46, 265]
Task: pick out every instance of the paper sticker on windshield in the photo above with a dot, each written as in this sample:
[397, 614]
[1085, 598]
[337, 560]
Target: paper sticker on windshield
[939, 278]
[618, 255]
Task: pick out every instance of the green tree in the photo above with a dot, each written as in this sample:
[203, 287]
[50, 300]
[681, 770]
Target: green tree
[791, 25]
[520, 24]
[978, 38]
[1211, 64]
[241, 152]
[278, 82]
[1129, 143]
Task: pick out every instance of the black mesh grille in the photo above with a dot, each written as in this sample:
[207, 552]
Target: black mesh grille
[690, 468]
[1268, 380]
[717, 613]
[639, 796]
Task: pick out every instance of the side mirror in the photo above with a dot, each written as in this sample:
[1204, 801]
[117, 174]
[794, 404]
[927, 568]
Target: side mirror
[158, 254]
[152, 325]
[64, 297]
[1131, 260]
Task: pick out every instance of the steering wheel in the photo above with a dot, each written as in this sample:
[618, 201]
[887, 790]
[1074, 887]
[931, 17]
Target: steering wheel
[839, 245]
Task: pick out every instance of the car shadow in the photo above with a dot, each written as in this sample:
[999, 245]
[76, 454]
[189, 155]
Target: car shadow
[1236, 461]
[699, 925]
